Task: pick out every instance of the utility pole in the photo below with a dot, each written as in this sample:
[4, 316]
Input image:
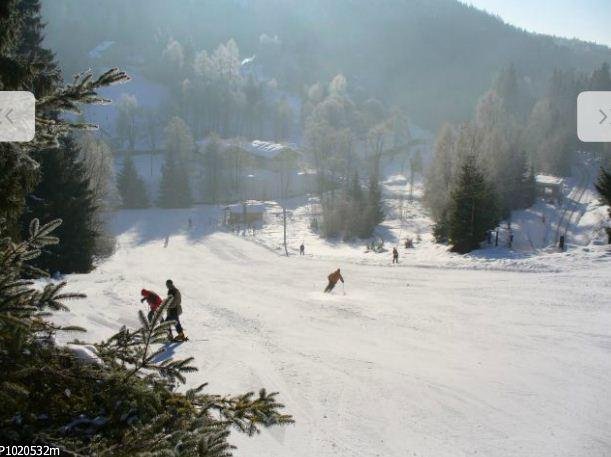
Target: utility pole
[286, 251]
[286, 161]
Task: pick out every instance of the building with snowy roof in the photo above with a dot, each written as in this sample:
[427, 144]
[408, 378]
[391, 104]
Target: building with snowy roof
[254, 172]
[549, 187]
[245, 213]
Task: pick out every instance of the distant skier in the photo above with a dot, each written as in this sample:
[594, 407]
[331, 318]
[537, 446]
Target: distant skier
[153, 300]
[174, 310]
[333, 278]
[302, 249]
[395, 255]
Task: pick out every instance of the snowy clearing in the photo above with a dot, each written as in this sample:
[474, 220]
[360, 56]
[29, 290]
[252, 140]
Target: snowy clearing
[409, 361]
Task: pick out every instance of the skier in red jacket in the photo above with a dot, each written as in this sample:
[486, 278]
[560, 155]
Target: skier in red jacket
[153, 300]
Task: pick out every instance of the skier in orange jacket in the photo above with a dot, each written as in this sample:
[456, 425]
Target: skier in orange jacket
[333, 278]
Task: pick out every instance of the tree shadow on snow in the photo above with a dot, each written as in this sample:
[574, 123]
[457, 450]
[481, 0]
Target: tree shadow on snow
[157, 224]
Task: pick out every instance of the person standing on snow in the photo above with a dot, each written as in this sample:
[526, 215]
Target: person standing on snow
[302, 249]
[395, 255]
[153, 300]
[174, 310]
[333, 278]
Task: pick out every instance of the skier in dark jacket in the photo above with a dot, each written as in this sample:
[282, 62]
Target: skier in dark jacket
[302, 249]
[153, 300]
[174, 310]
[395, 255]
[333, 278]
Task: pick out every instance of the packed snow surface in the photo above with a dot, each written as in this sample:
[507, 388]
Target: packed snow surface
[439, 356]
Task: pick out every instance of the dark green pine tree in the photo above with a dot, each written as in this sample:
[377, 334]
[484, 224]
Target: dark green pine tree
[375, 211]
[473, 209]
[174, 190]
[63, 192]
[131, 186]
[47, 75]
[603, 186]
[19, 70]
[25, 65]
[441, 229]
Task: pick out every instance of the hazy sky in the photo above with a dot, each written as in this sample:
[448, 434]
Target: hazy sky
[588, 20]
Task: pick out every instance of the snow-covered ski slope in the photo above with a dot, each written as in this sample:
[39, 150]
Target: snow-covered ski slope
[422, 359]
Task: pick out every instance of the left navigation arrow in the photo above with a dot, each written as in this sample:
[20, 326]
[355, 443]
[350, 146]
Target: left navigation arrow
[17, 116]
[8, 116]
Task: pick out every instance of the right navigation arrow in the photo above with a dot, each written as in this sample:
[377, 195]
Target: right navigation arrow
[604, 116]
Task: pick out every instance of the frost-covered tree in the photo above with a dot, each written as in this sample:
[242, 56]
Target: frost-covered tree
[97, 158]
[501, 153]
[551, 138]
[171, 62]
[440, 179]
[219, 92]
[416, 166]
[330, 133]
[338, 86]
[127, 121]
[178, 139]
[131, 186]
[175, 189]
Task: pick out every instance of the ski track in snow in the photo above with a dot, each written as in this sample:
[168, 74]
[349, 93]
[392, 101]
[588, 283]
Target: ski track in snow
[409, 362]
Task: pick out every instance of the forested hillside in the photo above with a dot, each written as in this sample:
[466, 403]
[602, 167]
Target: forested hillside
[434, 58]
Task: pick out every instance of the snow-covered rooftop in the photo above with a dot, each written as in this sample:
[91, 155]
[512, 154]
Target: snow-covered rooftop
[247, 61]
[251, 207]
[267, 149]
[549, 180]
